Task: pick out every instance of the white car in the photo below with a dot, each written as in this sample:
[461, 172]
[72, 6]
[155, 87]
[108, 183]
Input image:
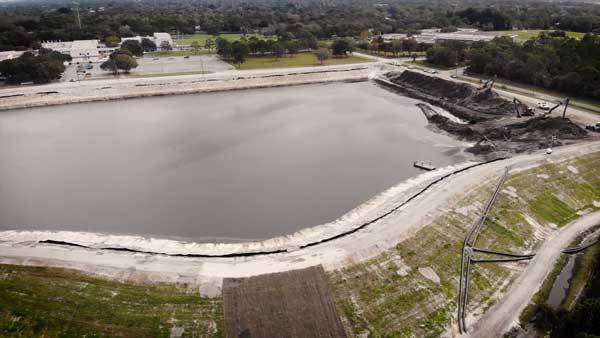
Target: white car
[543, 105]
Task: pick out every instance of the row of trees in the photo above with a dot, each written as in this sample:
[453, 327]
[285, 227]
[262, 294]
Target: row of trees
[395, 47]
[238, 51]
[551, 61]
[25, 24]
[486, 19]
[447, 53]
[48, 65]
[564, 64]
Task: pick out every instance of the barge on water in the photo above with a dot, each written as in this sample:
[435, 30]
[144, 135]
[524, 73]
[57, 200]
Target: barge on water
[425, 165]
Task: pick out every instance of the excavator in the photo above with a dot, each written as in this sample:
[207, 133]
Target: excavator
[518, 104]
[487, 85]
[549, 111]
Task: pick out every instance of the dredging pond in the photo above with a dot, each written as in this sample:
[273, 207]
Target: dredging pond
[227, 166]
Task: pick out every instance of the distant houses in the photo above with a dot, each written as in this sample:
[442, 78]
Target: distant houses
[86, 51]
[431, 36]
[157, 38]
[81, 51]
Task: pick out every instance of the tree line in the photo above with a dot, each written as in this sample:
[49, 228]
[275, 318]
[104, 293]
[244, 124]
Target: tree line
[396, 47]
[44, 67]
[550, 60]
[25, 24]
[563, 64]
[237, 51]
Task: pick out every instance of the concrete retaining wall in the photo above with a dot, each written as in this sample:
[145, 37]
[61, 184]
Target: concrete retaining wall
[102, 90]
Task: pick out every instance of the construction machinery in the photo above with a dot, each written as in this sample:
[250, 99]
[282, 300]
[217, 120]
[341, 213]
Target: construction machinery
[594, 127]
[528, 111]
[550, 110]
[487, 85]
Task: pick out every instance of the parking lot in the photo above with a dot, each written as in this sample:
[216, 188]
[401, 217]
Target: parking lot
[153, 66]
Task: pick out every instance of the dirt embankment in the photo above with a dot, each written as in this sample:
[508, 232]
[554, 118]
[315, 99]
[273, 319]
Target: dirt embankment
[491, 120]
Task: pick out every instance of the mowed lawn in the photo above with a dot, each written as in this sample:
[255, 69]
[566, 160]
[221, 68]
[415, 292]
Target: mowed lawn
[201, 38]
[298, 60]
[532, 33]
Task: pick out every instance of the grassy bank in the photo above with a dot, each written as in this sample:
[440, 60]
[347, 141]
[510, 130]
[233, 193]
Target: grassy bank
[408, 291]
[583, 266]
[297, 60]
[532, 33]
[201, 38]
[541, 296]
[577, 310]
[50, 302]
[178, 53]
[390, 295]
[391, 55]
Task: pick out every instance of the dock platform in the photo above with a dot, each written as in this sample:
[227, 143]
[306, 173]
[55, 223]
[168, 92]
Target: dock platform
[425, 165]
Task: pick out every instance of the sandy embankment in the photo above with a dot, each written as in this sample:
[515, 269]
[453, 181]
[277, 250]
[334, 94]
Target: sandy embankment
[207, 272]
[114, 89]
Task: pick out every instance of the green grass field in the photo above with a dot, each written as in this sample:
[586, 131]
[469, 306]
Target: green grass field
[51, 302]
[178, 53]
[298, 60]
[387, 296]
[201, 38]
[532, 33]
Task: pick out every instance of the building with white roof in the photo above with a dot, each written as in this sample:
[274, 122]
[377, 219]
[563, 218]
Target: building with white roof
[157, 38]
[10, 54]
[431, 36]
[80, 50]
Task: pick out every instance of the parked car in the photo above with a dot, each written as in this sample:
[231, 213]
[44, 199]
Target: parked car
[543, 105]
[594, 127]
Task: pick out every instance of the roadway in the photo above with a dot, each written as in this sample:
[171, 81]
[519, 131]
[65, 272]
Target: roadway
[580, 116]
[505, 314]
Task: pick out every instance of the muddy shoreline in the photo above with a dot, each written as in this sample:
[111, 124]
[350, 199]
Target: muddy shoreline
[491, 121]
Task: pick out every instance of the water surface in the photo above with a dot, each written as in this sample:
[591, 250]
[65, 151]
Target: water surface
[221, 166]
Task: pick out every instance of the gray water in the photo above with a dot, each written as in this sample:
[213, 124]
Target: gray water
[221, 166]
[562, 283]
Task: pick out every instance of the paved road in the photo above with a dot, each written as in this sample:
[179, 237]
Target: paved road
[502, 316]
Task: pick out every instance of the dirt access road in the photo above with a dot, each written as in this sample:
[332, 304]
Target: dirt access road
[578, 116]
[502, 316]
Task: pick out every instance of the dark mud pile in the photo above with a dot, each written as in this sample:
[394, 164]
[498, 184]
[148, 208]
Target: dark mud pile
[491, 120]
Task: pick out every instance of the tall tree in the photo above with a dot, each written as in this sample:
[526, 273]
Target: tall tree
[148, 45]
[341, 47]
[119, 60]
[133, 46]
[165, 45]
